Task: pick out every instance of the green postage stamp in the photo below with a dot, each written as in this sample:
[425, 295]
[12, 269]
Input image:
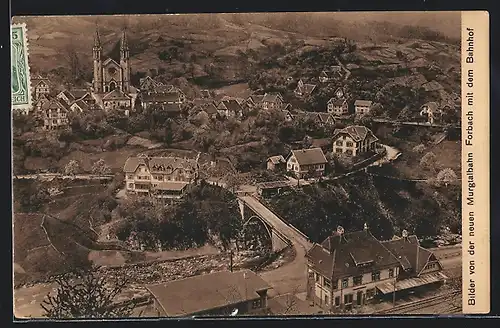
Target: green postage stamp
[20, 78]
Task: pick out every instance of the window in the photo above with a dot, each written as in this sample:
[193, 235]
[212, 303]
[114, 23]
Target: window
[337, 301]
[376, 276]
[338, 150]
[131, 186]
[339, 143]
[130, 176]
[316, 277]
[327, 283]
[348, 152]
[345, 282]
[348, 299]
[370, 293]
[349, 143]
[256, 304]
[391, 273]
[336, 284]
[358, 280]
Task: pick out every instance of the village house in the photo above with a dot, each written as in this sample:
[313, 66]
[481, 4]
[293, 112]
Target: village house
[306, 162]
[431, 112]
[79, 106]
[338, 103]
[116, 99]
[66, 96]
[337, 106]
[354, 140]
[304, 89]
[211, 110]
[219, 293]
[254, 101]
[326, 119]
[54, 114]
[275, 162]
[287, 115]
[321, 119]
[160, 100]
[230, 109]
[45, 98]
[349, 270]
[272, 101]
[205, 94]
[164, 177]
[333, 73]
[40, 86]
[362, 107]
[273, 188]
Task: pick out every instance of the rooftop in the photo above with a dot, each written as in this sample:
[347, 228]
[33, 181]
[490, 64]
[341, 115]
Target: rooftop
[309, 156]
[208, 291]
[347, 254]
[361, 102]
[158, 164]
[171, 186]
[276, 159]
[115, 95]
[357, 133]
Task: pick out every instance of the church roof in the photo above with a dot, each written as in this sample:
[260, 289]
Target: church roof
[109, 60]
[115, 95]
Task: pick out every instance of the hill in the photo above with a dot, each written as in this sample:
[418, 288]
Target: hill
[387, 205]
[202, 40]
[41, 240]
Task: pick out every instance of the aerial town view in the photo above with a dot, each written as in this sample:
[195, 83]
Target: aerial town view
[270, 164]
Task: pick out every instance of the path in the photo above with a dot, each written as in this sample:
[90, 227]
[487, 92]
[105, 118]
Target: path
[290, 278]
[424, 124]
[51, 176]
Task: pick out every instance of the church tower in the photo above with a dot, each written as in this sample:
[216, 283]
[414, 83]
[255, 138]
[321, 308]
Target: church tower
[97, 53]
[124, 63]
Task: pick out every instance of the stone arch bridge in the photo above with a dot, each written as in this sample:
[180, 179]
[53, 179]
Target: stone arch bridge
[252, 209]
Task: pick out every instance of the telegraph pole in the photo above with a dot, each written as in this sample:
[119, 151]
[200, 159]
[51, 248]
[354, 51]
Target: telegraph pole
[231, 260]
[394, 293]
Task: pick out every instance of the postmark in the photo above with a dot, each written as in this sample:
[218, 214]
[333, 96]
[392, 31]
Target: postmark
[20, 73]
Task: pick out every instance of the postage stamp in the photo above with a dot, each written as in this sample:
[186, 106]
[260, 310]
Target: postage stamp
[250, 164]
[20, 72]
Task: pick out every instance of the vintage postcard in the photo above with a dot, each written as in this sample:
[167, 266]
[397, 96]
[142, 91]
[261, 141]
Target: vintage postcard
[250, 164]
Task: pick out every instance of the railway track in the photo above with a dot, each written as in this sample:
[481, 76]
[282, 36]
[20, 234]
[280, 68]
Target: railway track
[438, 304]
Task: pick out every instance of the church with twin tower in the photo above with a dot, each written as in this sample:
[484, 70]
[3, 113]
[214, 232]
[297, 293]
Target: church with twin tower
[111, 87]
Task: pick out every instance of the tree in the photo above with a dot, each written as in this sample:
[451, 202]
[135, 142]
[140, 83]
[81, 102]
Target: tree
[428, 161]
[446, 176]
[72, 168]
[100, 168]
[86, 294]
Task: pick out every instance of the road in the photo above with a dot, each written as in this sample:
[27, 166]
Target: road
[290, 278]
[51, 176]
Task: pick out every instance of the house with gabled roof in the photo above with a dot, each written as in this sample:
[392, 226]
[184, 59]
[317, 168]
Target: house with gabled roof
[275, 162]
[326, 119]
[54, 114]
[337, 106]
[304, 89]
[211, 110]
[287, 115]
[350, 269]
[229, 108]
[116, 99]
[272, 101]
[354, 140]
[253, 101]
[306, 162]
[362, 107]
[66, 96]
[165, 177]
[327, 75]
[40, 86]
[79, 106]
[217, 293]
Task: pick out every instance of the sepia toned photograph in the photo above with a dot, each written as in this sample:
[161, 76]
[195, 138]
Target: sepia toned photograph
[250, 164]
